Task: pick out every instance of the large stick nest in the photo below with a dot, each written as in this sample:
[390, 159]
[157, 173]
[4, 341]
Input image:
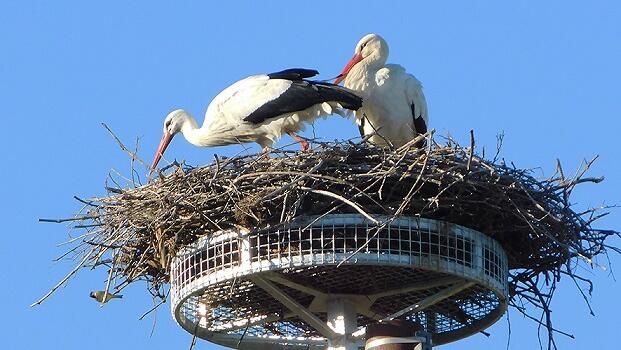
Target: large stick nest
[140, 229]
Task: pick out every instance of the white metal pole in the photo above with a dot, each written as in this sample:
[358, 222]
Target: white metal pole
[342, 319]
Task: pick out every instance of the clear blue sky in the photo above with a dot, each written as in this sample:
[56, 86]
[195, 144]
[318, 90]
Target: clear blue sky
[546, 74]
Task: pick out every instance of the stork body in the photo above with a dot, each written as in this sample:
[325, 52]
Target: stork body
[260, 108]
[394, 108]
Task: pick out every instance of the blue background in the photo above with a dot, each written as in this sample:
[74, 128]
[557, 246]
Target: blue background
[547, 75]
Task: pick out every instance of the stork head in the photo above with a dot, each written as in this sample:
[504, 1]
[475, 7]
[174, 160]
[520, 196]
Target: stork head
[173, 124]
[371, 50]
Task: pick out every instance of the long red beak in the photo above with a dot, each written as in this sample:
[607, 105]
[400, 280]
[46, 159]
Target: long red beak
[166, 138]
[357, 58]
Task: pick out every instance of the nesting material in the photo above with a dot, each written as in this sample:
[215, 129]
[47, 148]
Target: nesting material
[136, 232]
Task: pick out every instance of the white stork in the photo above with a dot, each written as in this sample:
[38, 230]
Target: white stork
[394, 107]
[260, 108]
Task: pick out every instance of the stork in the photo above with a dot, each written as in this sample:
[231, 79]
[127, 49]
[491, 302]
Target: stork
[394, 110]
[260, 108]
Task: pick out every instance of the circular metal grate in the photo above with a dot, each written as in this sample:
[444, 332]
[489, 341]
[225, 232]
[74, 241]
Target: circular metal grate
[273, 286]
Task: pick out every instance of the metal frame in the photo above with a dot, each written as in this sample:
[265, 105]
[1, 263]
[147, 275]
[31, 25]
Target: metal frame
[463, 259]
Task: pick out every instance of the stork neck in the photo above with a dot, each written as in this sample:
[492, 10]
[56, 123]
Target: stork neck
[361, 75]
[193, 133]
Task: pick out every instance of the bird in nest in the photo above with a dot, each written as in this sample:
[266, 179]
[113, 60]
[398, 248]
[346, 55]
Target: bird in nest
[394, 110]
[260, 108]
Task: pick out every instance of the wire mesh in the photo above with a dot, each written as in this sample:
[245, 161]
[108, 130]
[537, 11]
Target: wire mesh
[343, 254]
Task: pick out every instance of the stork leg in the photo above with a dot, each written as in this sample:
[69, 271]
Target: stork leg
[265, 151]
[303, 143]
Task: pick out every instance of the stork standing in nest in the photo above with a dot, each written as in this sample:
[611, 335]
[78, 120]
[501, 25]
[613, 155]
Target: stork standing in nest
[394, 109]
[260, 108]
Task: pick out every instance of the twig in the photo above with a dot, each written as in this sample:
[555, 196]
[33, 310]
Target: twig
[65, 279]
[133, 155]
[344, 200]
[58, 221]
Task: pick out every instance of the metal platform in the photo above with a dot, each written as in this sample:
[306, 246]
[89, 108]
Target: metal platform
[318, 281]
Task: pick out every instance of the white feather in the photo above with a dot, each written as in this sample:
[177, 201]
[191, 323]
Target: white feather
[224, 122]
[388, 92]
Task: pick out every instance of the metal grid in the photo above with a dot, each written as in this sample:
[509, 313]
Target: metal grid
[213, 294]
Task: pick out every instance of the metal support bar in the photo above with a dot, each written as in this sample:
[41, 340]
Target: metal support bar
[416, 286]
[278, 278]
[342, 320]
[362, 303]
[294, 306]
[432, 299]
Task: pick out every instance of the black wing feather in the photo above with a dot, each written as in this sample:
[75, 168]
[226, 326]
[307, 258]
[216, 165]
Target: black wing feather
[361, 126]
[293, 74]
[419, 125]
[419, 122]
[302, 95]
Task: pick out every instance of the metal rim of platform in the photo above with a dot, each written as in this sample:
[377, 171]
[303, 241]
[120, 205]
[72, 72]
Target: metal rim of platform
[281, 265]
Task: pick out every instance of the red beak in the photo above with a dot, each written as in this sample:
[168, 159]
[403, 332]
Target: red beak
[161, 148]
[357, 58]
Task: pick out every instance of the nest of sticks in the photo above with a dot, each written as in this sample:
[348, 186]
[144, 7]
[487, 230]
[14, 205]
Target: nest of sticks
[135, 232]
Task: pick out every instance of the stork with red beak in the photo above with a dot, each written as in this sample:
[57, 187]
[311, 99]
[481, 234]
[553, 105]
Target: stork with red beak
[260, 108]
[394, 110]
